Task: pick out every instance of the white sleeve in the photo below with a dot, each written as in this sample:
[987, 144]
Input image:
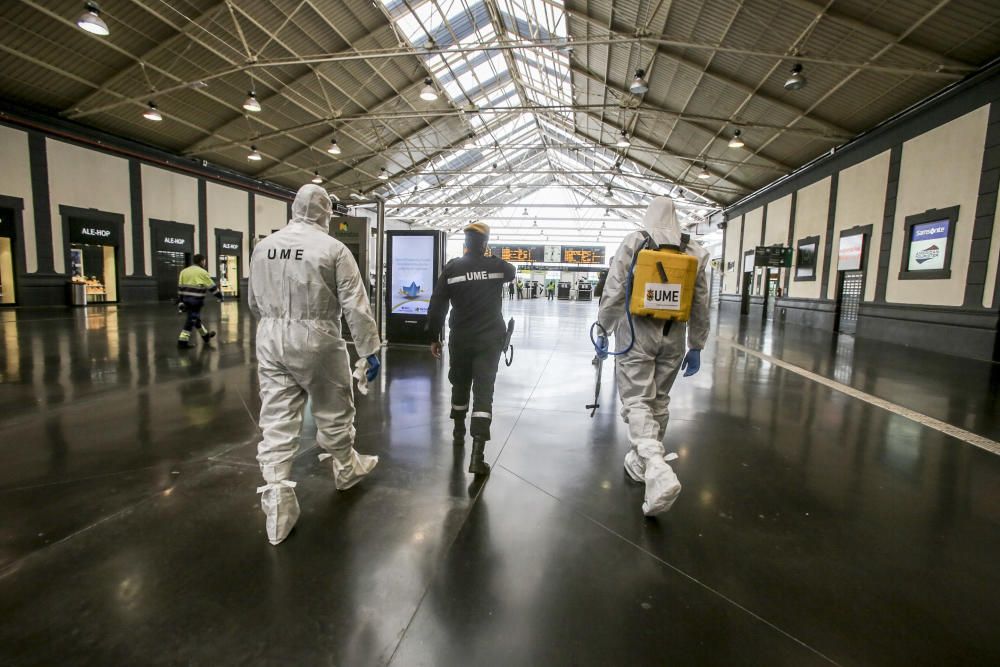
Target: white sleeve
[353, 296]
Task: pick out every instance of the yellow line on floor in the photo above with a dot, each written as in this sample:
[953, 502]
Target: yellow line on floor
[948, 429]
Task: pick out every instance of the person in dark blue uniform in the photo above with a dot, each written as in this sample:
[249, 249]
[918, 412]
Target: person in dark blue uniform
[473, 286]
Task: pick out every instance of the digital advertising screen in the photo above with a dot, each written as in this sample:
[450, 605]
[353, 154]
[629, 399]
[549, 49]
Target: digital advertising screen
[583, 255]
[928, 246]
[412, 274]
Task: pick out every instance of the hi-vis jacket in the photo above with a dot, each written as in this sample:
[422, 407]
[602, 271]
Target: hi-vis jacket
[194, 283]
[473, 284]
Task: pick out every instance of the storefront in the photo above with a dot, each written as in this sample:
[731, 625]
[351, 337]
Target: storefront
[95, 256]
[229, 249]
[172, 245]
[7, 262]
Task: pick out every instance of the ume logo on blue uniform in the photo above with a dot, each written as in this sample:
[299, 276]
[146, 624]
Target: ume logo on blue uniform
[663, 296]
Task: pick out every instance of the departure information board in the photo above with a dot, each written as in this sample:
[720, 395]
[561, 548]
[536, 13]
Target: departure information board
[583, 255]
[518, 253]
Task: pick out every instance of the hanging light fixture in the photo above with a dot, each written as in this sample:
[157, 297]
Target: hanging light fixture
[91, 21]
[470, 142]
[151, 112]
[704, 174]
[639, 85]
[608, 193]
[334, 148]
[797, 81]
[251, 103]
[254, 154]
[525, 211]
[623, 141]
[383, 174]
[736, 141]
[317, 179]
[427, 92]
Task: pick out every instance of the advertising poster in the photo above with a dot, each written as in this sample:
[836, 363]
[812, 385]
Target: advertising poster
[412, 274]
[928, 243]
[849, 253]
[806, 267]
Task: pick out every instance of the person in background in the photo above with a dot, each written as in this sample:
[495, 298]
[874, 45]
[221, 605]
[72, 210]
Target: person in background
[550, 290]
[302, 281]
[510, 290]
[472, 285]
[520, 289]
[193, 285]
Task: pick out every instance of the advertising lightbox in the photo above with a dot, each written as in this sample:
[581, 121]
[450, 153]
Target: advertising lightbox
[412, 279]
[849, 252]
[928, 246]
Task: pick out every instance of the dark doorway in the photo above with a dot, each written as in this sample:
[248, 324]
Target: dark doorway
[173, 248]
[849, 289]
[771, 291]
[747, 288]
[167, 267]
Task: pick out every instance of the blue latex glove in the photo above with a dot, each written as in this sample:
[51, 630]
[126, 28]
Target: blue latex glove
[691, 363]
[602, 347]
[373, 366]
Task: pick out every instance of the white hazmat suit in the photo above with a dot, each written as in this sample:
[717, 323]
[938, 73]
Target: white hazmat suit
[647, 372]
[301, 281]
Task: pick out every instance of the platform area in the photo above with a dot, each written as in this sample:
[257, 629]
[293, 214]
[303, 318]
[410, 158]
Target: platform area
[815, 527]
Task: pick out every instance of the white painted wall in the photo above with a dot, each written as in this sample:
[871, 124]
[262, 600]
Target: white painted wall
[15, 181]
[87, 179]
[779, 216]
[812, 208]
[939, 169]
[731, 278]
[269, 214]
[860, 201]
[227, 208]
[167, 195]
[752, 228]
[991, 269]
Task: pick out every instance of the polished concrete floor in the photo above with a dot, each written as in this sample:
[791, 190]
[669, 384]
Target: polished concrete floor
[813, 528]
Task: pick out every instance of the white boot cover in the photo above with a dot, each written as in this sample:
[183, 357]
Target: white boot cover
[281, 509]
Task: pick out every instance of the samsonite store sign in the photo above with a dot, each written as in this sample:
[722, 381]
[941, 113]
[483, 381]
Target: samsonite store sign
[93, 232]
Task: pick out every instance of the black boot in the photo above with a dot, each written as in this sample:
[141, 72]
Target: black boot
[477, 466]
[208, 337]
[458, 435]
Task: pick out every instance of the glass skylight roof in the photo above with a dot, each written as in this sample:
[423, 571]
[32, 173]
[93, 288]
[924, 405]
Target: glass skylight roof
[538, 133]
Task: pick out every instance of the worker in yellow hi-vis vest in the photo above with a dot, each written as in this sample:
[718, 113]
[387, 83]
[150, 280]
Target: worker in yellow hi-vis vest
[193, 285]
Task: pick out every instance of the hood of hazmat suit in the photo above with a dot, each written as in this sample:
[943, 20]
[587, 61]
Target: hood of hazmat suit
[302, 281]
[646, 374]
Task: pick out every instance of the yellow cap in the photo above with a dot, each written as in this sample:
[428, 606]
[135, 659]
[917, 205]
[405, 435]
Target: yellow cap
[478, 228]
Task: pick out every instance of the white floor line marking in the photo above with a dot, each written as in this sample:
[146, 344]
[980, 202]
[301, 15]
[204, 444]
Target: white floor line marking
[973, 439]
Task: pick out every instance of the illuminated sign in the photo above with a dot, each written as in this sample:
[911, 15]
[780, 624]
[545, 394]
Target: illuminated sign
[928, 243]
[583, 255]
[518, 253]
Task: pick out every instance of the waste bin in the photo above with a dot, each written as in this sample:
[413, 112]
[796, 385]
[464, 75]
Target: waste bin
[77, 294]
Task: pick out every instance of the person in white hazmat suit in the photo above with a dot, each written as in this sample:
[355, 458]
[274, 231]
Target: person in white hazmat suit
[301, 281]
[647, 372]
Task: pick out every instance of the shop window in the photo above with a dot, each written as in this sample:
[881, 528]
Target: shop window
[928, 240]
[7, 256]
[94, 267]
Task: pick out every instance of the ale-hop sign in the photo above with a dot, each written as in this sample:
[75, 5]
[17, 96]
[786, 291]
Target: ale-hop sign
[663, 296]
